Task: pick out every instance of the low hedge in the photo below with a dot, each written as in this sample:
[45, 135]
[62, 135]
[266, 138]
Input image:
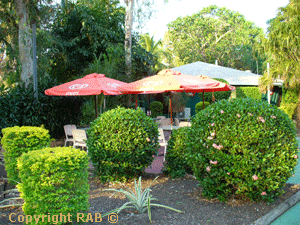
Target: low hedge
[18, 140]
[176, 164]
[199, 106]
[242, 147]
[54, 181]
[248, 92]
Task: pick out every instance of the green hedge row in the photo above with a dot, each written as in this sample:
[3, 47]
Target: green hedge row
[54, 181]
[248, 92]
[18, 140]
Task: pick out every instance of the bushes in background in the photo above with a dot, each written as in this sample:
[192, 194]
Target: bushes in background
[54, 181]
[199, 106]
[248, 92]
[176, 164]
[18, 140]
[156, 108]
[290, 102]
[18, 107]
[122, 143]
[242, 147]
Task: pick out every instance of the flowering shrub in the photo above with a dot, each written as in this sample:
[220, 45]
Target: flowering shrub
[176, 164]
[122, 143]
[242, 147]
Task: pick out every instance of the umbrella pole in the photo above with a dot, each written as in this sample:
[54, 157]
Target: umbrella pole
[171, 110]
[203, 99]
[136, 102]
[96, 113]
[104, 104]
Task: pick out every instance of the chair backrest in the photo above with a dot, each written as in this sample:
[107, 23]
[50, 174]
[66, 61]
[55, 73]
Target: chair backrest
[185, 124]
[161, 136]
[165, 122]
[79, 135]
[176, 122]
[68, 130]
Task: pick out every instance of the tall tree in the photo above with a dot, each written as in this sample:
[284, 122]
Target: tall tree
[20, 15]
[214, 34]
[155, 48]
[282, 46]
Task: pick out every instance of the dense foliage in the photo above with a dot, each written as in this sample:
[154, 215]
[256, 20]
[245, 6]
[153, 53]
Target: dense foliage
[176, 164]
[199, 106]
[122, 143]
[282, 48]
[54, 181]
[215, 34]
[156, 108]
[242, 147]
[18, 140]
[18, 107]
[82, 31]
[289, 102]
[248, 92]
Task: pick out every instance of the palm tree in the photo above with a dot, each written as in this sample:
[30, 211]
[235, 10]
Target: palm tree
[155, 48]
[283, 47]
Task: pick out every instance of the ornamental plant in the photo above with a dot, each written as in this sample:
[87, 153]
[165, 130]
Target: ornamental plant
[199, 106]
[176, 164]
[140, 201]
[242, 147]
[122, 143]
[18, 140]
[156, 108]
[54, 181]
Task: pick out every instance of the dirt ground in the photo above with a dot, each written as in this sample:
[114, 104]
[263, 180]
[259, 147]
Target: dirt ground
[183, 194]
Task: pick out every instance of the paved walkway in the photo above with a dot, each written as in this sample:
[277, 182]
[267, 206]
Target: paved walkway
[291, 216]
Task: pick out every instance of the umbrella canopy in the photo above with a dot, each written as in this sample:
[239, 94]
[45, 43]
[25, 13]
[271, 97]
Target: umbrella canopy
[92, 84]
[170, 80]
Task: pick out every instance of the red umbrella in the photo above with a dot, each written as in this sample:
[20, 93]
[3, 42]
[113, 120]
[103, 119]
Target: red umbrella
[93, 84]
[170, 80]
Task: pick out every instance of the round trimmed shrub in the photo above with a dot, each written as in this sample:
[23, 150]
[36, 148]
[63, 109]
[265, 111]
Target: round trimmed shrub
[122, 143]
[18, 140]
[176, 164]
[199, 106]
[156, 108]
[54, 182]
[242, 147]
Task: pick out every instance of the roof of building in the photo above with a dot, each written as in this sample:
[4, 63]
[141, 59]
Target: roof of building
[233, 76]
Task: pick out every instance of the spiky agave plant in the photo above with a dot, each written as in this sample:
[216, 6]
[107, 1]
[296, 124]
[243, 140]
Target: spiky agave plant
[140, 200]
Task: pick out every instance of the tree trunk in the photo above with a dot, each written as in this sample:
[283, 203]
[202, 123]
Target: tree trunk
[128, 41]
[128, 35]
[25, 42]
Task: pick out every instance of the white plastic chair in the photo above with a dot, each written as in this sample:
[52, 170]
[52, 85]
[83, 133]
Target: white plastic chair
[185, 124]
[177, 122]
[79, 138]
[68, 132]
[162, 141]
